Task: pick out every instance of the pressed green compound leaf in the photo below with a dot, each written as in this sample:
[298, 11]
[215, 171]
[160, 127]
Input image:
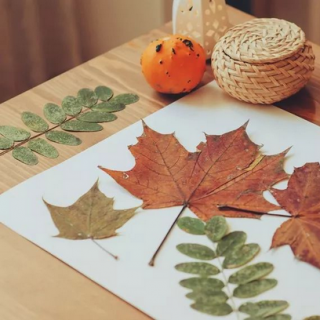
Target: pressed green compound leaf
[191, 225]
[87, 97]
[196, 251]
[264, 308]
[15, 134]
[230, 242]
[103, 93]
[34, 122]
[81, 126]
[90, 217]
[254, 288]
[221, 309]
[63, 138]
[5, 143]
[202, 283]
[25, 155]
[201, 268]
[240, 256]
[109, 106]
[97, 116]
[250, 273]
[208, 296]
[54, 113]
[126, 98]
[44, 148]
[216, 228]
[71, 106]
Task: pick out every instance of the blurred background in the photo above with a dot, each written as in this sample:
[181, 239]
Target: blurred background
[40, 39]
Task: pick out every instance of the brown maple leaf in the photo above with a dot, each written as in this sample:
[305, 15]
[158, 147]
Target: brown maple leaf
[225, 170]
[302, 200]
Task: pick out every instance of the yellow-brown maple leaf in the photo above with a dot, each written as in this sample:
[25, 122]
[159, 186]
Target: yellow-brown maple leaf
[302, 200]
[225, 170]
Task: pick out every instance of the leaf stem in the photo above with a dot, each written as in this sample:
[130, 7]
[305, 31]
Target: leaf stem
[105, 250]
[41, 133]
[258, 213]
[152, 261]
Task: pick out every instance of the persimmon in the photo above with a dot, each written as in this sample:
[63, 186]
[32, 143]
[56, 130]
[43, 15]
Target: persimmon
[173, 64]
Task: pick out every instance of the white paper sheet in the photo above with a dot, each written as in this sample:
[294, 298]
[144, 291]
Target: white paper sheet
[156, 290]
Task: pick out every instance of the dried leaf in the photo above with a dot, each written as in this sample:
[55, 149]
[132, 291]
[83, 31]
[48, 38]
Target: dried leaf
[90, 217]
[250, 273]
[264, 308]
[87, 98]
[25, 155]
[71, 106]
[97, 116]
[231, 242]
[80, 126]
[5, 143]
[54, 113]
[216, 228]
[201, 268]
[275, 317]
[191, 225]
[15, 134]
[313, 318]
[254, 288]
[63, 138]
[240, 256]
[110, 106]
[222, 309]
[208, 296]
[34, 122]
[42, 147]
[103, 93]
[202, 283]
[126, 98]
[196, 251]
[224, 171]
[302, 200]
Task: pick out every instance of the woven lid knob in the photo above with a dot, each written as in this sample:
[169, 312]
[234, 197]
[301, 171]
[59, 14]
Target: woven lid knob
[263, 41]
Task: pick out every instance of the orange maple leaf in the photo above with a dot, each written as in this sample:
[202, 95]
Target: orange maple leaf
[226, 170]
[302, 200]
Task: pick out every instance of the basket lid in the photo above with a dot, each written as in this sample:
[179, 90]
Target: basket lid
[263, 40]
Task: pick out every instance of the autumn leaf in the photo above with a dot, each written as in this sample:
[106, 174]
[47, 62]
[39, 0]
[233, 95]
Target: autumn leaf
[90, 217]
[302, 200]
[225, 170]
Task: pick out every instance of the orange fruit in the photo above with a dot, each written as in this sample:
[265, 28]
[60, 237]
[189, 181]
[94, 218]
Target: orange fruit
[174, 64]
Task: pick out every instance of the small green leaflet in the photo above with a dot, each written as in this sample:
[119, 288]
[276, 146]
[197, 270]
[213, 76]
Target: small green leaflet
[54, 113]
[221, 309]
[25, 155]
[208, 296]
[250, 273]
[87, 98]
[91, 217]
[201, 268]
[5, 143]
[42, 147]
[230, 242]
[103, 93]
[216, 228]
[97, 116]
[202, 283]
[254, 288]
[15, 134]
[109, 106]
[34, 122]
[63, 138]
[71, 106]
[191, 225]
[264, 308]
[274, 317]
[196, 251]
[81, 126]
[126, 98]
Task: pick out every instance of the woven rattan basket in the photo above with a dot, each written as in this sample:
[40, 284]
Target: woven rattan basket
[263, 60]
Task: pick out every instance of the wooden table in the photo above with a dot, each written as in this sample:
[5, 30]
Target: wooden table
[33, 284]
